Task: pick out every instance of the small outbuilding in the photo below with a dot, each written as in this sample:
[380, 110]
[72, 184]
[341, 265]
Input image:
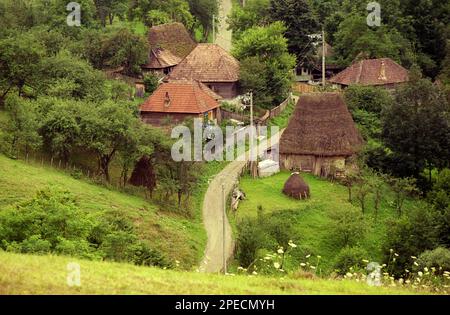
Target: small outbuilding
[296, 187]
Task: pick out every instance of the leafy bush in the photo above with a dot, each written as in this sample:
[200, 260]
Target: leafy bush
[347, 227]
[265, 234]
[350, 257]
[141, 254]
[52, 223]
[151, 82]
[409, 236]
[367, 98]
[438, 258]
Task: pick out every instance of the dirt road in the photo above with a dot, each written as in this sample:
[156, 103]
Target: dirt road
[223, 36]
[213, 213]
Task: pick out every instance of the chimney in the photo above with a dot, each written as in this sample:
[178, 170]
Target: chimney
[382, 75]
[167, 100]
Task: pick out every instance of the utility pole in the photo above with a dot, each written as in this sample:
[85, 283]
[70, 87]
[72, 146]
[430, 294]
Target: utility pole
[224, 259]
[252, 155]
[323, 57]
[214, 28]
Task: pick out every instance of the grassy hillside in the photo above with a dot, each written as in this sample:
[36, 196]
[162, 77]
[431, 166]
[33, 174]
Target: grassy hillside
[178, 237]
[26, 274]
[312, 220]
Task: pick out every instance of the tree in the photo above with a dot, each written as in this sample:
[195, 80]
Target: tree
[377, 185]
[354, 38]
[255, 13]
[362, 191]
[402, 187]
[347, 227]
[204, 11]
[128, 50]
[20, 59]
[105, 129]
[20, 130]
[157, 17]
[300, 23]
[421, 138]
[144, 174]
[409, 236]
[267, 46]
[60, 128]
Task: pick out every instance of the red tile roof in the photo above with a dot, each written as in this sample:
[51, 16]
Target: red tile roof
[372, 72]
[160, 58]
[207, 63]
[181, 97]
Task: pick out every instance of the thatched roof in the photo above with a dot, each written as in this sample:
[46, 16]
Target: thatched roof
[207, 63]
[160, 58]
[321, 125]
[172, 37]
[188, 97]
[296, 187]
[372, 72]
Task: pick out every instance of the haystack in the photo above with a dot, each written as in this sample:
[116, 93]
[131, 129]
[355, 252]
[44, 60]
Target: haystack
[296, 187]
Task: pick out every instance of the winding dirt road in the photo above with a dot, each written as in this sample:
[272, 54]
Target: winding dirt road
[213, 211]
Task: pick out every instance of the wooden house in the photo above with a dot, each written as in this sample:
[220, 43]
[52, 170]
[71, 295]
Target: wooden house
[383, 72]
[176, 101]
[169, 44]
[320, 136]
[211, 65]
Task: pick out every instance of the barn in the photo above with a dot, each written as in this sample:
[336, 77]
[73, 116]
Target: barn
[321, 136]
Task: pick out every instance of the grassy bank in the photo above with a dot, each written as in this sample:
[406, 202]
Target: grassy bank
[180, 238]
[26, 274]
[312, 221]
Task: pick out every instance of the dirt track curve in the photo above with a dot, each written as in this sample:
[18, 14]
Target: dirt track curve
[213, 213]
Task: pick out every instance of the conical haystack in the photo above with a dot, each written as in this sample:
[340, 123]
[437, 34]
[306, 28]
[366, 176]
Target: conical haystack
[296, 187]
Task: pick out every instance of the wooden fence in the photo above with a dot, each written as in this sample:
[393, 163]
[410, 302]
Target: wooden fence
[301, 87]
[274, 112]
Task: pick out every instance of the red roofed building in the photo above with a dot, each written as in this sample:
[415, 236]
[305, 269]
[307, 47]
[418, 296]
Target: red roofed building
[176, 101]
[383, 72]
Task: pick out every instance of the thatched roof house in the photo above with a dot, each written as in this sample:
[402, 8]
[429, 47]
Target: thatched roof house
[296, 187]
[169, 44]
[176, 101]
[383, 72]
[211, 65]
[320, 136]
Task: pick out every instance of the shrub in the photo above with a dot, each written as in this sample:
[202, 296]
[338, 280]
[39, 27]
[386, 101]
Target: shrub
[409, 236]
[438, 258]
[141, 254]
[250, 239]
[347, 227]
[151, 82]
[349, 257]
[32, 245]
[366, 98]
